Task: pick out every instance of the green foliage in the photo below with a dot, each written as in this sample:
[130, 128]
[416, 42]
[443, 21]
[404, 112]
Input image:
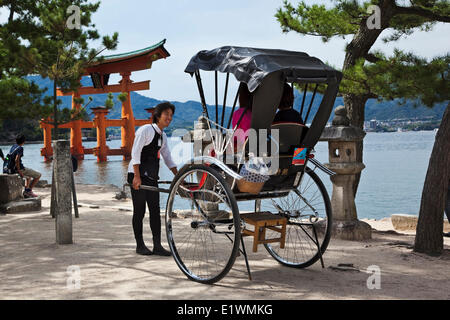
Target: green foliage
[37, 40]
[21, 99]
[10, 129]
[402, 76]
[122, 97]
[372, 74]
[423, 15]
[109, 103]
[316, 20]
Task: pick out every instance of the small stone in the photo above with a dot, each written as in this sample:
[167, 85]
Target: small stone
[344, 267]
[120, 195]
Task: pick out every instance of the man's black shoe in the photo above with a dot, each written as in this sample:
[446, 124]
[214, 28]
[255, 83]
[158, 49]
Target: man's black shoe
[160, 251]
[144, 251]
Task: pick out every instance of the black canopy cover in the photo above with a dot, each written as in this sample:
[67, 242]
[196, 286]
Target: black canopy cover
[265, 71]
[252, 65]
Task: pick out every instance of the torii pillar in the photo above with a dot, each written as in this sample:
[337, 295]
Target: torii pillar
[76, 142]
[47, 150]
[127, 117]
[100, 122]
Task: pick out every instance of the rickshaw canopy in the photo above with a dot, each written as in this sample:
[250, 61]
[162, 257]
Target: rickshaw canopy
[265, 71]
[253, 65]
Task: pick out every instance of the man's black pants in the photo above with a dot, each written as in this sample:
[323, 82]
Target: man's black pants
[141, 198]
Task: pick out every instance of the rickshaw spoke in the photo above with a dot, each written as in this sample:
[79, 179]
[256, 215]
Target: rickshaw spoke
[198, 238]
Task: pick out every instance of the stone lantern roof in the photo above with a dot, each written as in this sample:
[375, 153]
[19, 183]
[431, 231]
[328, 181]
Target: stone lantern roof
[341, 130]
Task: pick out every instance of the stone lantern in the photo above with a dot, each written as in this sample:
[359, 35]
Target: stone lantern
[342, 140]
[201, 139]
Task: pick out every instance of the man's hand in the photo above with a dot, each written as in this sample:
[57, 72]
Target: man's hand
[136, 182]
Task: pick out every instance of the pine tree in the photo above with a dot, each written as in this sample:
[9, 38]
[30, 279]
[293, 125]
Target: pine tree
[371, 74]
[19, 98]
[434, 194]
[50, 38]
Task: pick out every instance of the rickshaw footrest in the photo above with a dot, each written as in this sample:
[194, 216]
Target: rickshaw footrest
[262, 221]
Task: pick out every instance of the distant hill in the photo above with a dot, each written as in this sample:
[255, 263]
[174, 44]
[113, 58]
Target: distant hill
[187, 112]
[384, 110]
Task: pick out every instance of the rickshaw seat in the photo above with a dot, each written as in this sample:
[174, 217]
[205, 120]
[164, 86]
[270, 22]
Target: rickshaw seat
[290, 135]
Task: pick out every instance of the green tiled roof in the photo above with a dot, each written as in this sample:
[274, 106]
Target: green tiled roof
[132, 53]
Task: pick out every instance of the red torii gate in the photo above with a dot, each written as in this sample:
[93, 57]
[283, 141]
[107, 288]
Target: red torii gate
[124, 64]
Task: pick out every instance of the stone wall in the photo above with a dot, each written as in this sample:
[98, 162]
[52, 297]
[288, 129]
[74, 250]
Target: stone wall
[10, 188]
[11, 198]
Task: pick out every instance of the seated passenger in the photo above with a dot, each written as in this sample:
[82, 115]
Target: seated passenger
[245, 105]
[286, 111]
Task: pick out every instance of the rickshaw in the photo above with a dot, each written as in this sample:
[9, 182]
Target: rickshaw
[292, 214]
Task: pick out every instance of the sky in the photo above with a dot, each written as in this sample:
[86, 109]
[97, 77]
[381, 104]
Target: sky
[193, 25]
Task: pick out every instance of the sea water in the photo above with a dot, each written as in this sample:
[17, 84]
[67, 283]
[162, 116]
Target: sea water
[392, 182]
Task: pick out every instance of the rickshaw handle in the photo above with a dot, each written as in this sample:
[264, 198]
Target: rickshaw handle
[321, 167]
[149, 188]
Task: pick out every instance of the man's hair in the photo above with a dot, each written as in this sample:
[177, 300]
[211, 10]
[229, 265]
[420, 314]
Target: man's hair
[245, 97]
[160, 108]
[20, 139]
[287, 100]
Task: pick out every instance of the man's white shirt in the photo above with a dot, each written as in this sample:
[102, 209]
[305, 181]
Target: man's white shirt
[144, 136]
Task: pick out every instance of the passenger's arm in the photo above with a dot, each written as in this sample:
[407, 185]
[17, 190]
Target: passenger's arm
[18, 166]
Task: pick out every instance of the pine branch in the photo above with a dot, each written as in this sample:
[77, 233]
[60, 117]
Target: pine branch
[68, 54]
[11, 13]
[428, 14]
[372, 58]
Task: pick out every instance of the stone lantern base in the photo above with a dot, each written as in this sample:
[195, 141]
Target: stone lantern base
[351, 230]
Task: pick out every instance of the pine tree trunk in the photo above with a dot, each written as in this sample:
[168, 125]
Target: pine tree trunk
[355, 106]
[359, 48]
[430, 225]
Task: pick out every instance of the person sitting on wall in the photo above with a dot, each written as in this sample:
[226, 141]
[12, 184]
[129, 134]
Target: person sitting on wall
[286, 111]
[16, 154]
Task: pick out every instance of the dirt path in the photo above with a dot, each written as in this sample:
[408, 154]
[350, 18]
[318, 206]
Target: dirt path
[32, 266]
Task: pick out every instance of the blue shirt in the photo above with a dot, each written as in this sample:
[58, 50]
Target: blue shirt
[15, 151]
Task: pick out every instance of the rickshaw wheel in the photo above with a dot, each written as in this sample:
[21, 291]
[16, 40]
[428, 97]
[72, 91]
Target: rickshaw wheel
[300, 249]
[202, 223]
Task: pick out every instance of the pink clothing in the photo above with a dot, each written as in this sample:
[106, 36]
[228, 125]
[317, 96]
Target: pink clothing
[245, 124]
